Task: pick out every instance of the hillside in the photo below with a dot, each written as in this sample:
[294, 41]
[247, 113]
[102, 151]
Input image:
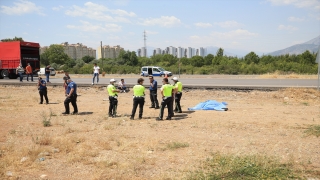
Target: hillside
[311, 45]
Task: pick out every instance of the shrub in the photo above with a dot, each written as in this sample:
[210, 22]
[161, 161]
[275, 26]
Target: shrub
[243, 167]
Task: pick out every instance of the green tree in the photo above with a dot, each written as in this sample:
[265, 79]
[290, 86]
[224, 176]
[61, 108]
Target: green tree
[307, 58]
[197, 61]
[185, 61]
[87, 59]
[168, 60]
[133, 60]
[70, 63]
[219, 52]
[218, 58]
[124, 55]
[55, 54]
[208, 59]
[13, 39]
[128, 57]
[251, 58]
[44, 59]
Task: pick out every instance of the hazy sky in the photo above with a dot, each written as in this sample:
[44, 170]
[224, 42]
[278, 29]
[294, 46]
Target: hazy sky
[261, 26]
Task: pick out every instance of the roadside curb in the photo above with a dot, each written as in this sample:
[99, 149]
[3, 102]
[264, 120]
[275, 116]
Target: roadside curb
[185, 87]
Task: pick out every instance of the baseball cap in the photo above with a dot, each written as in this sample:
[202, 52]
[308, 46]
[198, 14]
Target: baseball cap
[150, 76]
[113, 80]
[175, 78]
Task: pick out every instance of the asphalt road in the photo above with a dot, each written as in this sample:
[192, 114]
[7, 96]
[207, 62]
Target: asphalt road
[189, 81]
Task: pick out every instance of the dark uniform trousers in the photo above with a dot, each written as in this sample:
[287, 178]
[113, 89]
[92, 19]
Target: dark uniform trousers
[73, 100]
[177, 102]
[113, 103]
[167, 101]
[137, 101]
[43, 93]
[153, 98]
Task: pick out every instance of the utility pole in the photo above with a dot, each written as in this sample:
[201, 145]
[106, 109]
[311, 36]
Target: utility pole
[179, 68]
[145, 43]
[318, 61]
[101, 53]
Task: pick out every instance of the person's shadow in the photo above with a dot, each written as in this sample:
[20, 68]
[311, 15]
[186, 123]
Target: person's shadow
[181, 116]
[53, 103]
[84, 113]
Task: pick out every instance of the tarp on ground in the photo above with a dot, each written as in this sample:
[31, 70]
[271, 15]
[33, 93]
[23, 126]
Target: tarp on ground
[210, 105]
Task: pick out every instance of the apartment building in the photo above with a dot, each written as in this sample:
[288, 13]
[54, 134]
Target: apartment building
[74, 51]
[107, 51]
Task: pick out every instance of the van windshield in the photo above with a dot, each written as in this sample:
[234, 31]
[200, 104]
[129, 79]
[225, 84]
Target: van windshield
[161, 69]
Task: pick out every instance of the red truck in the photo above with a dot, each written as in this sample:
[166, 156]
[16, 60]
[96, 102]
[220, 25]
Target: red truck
[15, 52]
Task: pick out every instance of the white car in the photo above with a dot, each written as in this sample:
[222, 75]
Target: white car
[43, 72]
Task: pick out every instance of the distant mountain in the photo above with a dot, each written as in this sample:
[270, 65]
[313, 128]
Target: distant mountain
[312, 46]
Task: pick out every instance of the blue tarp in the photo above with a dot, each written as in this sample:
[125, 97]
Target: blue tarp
[210, 105]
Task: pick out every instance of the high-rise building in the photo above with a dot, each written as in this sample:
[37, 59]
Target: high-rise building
[109, 51]
[142, 52]
[172, 50]
[193, 52]
[202, 52]
[139, 52]
[189, 52]
[180, 52]
[158, 51]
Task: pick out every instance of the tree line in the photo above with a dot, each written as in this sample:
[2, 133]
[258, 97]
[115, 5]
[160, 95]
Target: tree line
[128, 62]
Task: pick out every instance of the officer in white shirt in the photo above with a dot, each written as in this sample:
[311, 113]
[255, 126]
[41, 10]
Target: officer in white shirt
[96, 71]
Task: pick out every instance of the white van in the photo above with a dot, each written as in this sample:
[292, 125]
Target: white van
[43, 72]
[155, 71]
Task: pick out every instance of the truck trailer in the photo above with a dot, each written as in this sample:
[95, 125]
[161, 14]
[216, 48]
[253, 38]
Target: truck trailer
[16, 52]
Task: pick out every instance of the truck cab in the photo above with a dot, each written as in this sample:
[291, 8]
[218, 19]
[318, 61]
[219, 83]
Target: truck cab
[154, 71]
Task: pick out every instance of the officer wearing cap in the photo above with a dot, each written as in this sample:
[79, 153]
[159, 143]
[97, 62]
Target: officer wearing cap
[42, 90]
[113, 98]
[153, 93]
[178, 95]
[138, 98]
[71, 96]
[166, 92]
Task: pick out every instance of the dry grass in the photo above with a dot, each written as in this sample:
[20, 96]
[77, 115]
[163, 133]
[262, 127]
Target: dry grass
[284, 75]
[94, 146]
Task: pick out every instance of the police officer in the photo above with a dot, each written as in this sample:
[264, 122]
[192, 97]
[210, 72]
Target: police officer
[178, 95]
[42, 90]
[166, 92]
[138, 98]
[71, 94]
[113, 98]
[153, 93]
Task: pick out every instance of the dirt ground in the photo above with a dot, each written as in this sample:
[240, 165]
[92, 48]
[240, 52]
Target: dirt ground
[93, 146]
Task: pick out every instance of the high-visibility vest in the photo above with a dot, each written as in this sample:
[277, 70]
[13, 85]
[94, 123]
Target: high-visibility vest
[178, 85]
[167, 90]
[138, 90]
[110, 89]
